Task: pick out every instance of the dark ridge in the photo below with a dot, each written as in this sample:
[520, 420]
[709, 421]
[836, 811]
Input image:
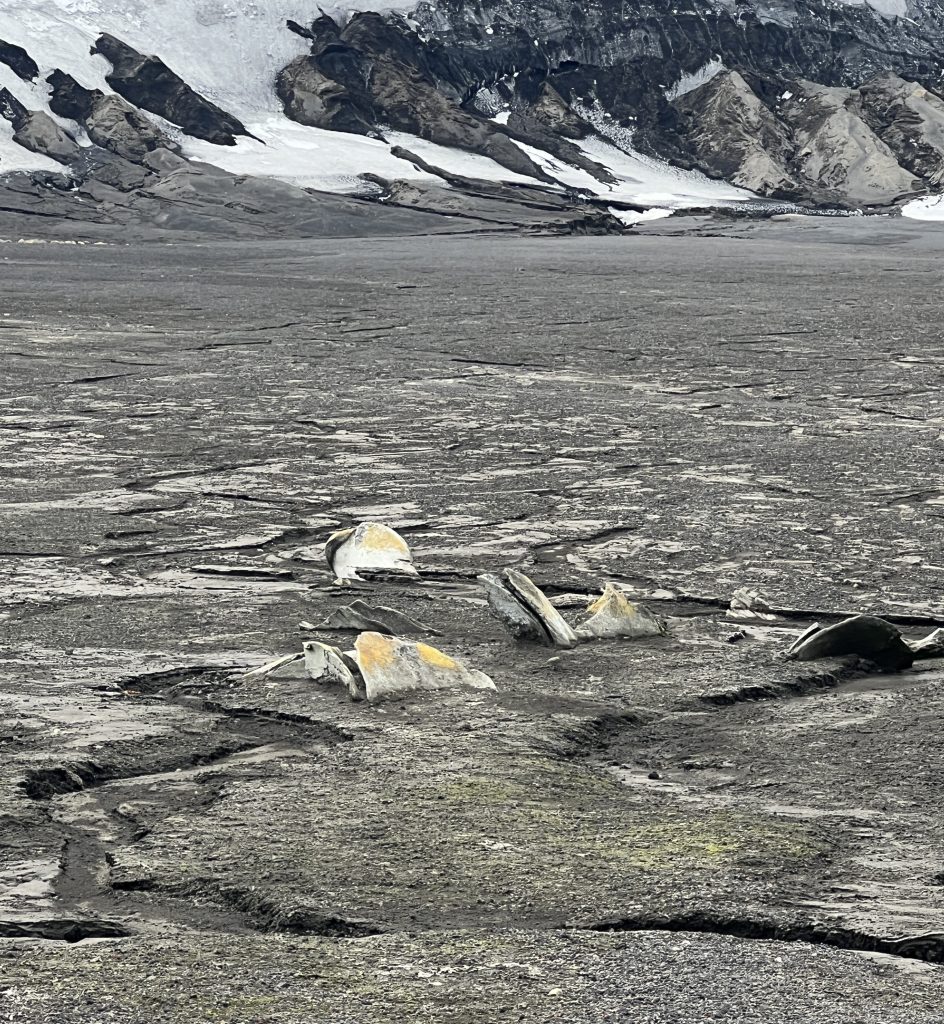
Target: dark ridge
[45, 783]
[267, 915]
[798, 686]
[239, 729]
[928, 947]
[19, 61]
[63, 930]
[148, 83]
[149, 683]
[11, 109]
[326, 732]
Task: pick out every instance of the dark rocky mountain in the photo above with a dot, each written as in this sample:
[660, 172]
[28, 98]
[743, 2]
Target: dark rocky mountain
[804, 101]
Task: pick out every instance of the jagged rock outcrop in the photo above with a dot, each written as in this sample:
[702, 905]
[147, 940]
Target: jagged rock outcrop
[311, 97]
[733, 135]
[19, 61]
[839, 153]
[909, 119]
[783, 118]
[110, 121]
[376, 72]
[148, 83]
[810, 141]
[626, 53]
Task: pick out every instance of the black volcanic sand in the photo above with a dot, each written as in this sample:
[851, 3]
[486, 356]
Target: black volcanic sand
[681, 829]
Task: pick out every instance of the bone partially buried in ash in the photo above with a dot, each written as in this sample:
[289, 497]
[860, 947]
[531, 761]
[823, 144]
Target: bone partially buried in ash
[612, 615]
[327, 664]
[379, 666]
[519, 604]
[866, 636]
[360, 617]
[369, 546]
[392, 665]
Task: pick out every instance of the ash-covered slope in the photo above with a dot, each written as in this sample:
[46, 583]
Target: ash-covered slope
[254, 118]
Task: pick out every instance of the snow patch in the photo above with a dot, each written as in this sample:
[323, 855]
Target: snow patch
[306, 157]
[688, 83]
[889, 8]
[632, 217]
[927, 208]
[646, 180]
[640, 179]
[228, 50]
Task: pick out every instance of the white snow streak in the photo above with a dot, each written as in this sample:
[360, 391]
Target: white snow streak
[687, 83]
[307, 157]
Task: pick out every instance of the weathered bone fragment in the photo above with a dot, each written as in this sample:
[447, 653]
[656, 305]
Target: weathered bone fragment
[517, 619]
[532, 598]
[390, 665]
[864, 635]
[930, 646]
[359, 616]
[808, 632]
[326, 664]
[290, 666]
[613, 615]
[749, 604]
[368, 546]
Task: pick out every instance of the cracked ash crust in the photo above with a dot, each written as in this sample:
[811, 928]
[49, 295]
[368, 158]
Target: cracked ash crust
[614, 828]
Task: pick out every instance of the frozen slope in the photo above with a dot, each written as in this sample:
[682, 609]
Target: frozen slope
[228, 50]
[307, 157]
[231, 53]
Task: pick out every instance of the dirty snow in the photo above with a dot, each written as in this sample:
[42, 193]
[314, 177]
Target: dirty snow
[645, 179]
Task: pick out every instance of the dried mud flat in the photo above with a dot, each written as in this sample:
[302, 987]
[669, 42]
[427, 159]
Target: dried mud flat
[678, 829]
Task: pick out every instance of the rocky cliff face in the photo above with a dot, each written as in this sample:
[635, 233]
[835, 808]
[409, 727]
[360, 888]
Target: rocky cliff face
[809, 100]
[806, 101]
